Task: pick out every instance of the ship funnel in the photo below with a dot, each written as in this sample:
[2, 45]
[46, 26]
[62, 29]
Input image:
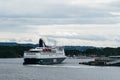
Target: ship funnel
[41, 43]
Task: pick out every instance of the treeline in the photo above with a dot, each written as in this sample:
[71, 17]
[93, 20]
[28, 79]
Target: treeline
[94, 52]
[18, 51]
[12, 51]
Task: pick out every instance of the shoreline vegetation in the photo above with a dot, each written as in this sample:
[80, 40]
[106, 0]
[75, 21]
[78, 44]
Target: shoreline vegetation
[10, 50]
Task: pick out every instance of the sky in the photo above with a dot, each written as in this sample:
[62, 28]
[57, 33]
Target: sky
[68, 22]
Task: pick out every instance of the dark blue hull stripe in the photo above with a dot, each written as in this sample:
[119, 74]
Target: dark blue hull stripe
[43, 61]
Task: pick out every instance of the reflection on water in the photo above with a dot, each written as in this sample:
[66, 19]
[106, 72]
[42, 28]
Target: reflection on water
[12, 69]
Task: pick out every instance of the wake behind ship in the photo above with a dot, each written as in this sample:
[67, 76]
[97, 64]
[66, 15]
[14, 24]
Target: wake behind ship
[44, 54]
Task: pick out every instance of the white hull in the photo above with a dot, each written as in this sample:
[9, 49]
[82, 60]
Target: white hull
[40, 56]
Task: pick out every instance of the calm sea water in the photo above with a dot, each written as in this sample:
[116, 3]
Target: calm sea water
[12, 69]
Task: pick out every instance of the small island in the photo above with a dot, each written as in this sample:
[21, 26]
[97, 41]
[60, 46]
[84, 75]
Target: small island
[104, 61]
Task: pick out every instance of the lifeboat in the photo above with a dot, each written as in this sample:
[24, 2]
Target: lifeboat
[47, 49]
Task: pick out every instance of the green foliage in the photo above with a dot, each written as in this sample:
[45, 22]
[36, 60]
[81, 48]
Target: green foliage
[72, 52]
[12, 51]
[17, 51]
[95, 51]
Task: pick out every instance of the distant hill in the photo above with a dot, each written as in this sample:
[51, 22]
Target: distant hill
[17, 44]
[8, 44]
[13, 49]
[80, 48]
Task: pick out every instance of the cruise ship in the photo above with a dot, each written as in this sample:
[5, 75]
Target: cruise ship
[44, 55]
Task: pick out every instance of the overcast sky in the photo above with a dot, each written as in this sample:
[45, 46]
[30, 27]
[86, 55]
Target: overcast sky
[69, 22]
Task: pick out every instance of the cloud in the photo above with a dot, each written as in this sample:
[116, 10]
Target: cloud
[19, 37]
[84, 35]
[78, 22]
[41, 12]
[116, 13]
[94, 35]
[79, 37]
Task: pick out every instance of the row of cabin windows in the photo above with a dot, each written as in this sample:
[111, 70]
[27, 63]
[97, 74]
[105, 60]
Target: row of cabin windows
[44, 51]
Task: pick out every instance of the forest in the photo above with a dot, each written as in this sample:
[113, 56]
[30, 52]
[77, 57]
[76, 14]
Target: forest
[108, 51]
[17, 51]
[13, 51]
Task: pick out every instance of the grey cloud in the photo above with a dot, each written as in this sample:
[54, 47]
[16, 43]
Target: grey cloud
[81, 37]
[46, 12]
[10, 25]
[60, 11]
[20, 40]
[115, 5]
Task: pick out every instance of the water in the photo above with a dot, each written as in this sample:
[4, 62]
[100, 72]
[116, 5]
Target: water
[12, 69]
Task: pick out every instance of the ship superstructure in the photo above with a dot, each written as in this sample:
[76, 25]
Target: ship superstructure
[44, 54]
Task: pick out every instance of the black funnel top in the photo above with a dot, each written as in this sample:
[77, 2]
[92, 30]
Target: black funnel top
[41, 43]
